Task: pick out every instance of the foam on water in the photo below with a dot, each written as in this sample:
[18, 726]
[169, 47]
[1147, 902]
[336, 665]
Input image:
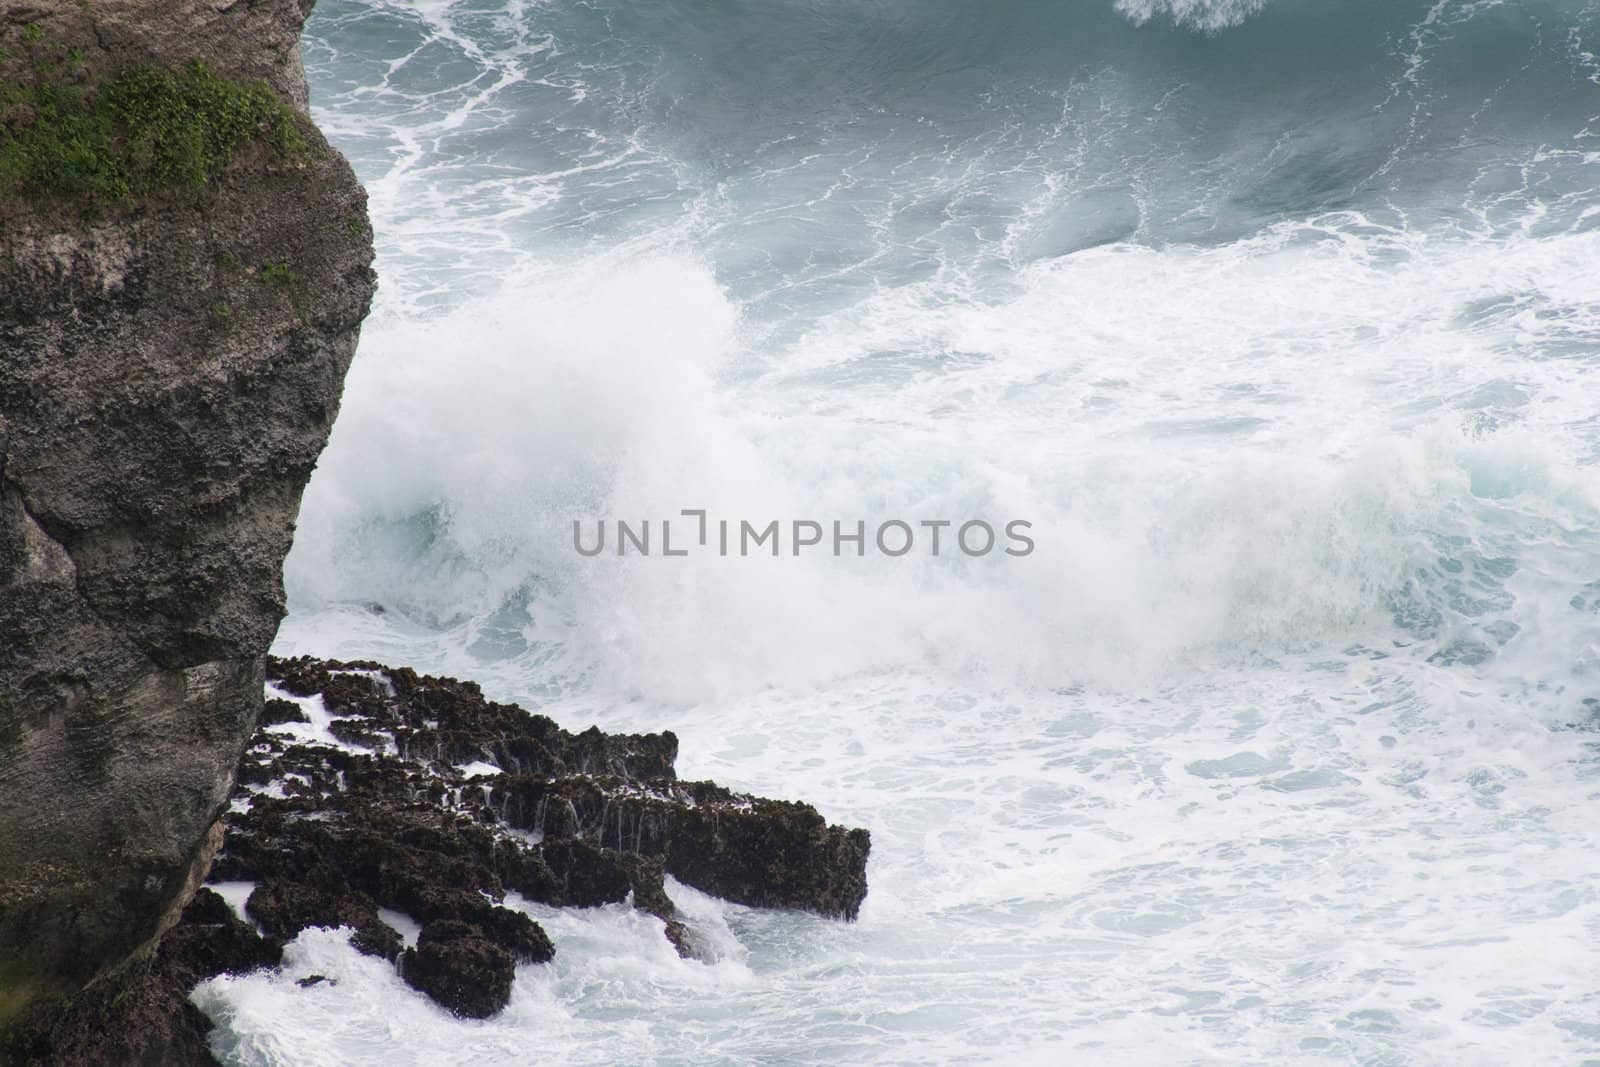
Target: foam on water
[1204, 14]
[1251, 446]
[1278, 749]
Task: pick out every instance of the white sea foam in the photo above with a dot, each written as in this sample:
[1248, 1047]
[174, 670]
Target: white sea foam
[1241, 448]
[1181, 786]
[1201, 14]
[1275, 751]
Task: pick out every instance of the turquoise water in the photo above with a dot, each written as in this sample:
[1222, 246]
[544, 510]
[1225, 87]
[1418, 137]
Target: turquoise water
[1279, 321]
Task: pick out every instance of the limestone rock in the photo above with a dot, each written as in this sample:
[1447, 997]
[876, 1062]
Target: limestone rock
[163, 399]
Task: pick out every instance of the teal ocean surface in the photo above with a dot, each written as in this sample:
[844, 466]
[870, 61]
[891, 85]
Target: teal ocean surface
[1280, 322]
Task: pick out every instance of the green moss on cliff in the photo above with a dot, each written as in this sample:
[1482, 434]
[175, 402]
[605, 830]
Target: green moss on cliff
[279, 274]
[145, 130]
[12, 1000]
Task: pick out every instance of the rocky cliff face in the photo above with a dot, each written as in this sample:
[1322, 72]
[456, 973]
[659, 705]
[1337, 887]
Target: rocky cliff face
[180, 294]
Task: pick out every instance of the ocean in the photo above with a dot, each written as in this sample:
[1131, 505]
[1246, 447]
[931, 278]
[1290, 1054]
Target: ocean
[1278, 321]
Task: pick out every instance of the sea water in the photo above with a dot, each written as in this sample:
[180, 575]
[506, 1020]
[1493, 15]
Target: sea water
[1279, 321]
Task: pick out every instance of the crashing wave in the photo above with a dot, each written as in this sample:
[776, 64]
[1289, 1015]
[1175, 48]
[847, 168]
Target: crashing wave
[1210, 15]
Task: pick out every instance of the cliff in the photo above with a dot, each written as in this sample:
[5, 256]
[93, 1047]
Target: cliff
[184, 267]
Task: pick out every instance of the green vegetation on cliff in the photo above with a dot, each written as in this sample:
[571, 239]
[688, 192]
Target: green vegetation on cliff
[145, 130]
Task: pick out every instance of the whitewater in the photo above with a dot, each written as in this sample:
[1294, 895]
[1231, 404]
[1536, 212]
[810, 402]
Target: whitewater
[1279, 320]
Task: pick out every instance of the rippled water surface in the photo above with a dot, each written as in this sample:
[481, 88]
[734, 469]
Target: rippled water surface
[1278, 319]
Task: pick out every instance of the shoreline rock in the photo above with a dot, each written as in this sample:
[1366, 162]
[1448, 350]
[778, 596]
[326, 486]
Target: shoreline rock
[394, 790]
[385, 790]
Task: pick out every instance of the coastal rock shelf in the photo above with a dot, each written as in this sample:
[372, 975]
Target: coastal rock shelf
[368, 788]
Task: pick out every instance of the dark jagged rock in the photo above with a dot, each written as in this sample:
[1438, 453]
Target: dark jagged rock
[765, 853]
[140, 1020]
[377, 939]
[210, 940]
[460, 968]
[144, 1017]
[393, 819]
[284, 908]
[170, 367]
[276, 712]
[448, 722]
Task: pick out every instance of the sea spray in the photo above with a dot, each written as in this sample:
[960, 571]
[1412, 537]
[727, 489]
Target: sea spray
[1275, 320]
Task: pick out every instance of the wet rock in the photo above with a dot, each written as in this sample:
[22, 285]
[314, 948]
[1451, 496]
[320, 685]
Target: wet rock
[682, 940]
[764, 853]
[277, 711]
[210, 940]
[284, 908]
[332, 834]
[145, 1019]
[356, 731]
[460, 968]
[768, 854]
[142, 1020]
[377, 939]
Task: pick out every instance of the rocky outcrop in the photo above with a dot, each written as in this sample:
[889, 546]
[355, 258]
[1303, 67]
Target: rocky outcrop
[174, 331]
[456, 965]
[377, 788]
[145, 1019]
